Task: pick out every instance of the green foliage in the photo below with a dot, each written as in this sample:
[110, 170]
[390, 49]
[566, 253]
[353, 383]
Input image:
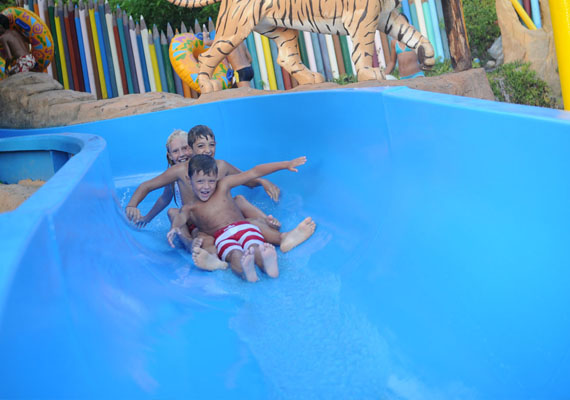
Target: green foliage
[7, 3]
[345, 79]
[482, 26]
[440, 68]
[516, 83]
[160, 12]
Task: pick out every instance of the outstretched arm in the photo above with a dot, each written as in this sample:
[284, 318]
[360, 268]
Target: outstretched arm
[160, 204]
[262, 170]
[167, 177]
[270, 188]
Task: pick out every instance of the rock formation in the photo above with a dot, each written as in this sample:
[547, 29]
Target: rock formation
[534, 46]
[34, 100]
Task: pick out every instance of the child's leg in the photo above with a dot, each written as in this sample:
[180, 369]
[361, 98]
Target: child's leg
[286, 240]
[266, 259]
[251, 211]
[205, 255]
[298, 235]
[242, 263]
[270, 234]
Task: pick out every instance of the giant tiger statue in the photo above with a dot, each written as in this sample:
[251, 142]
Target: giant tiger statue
[281, 20]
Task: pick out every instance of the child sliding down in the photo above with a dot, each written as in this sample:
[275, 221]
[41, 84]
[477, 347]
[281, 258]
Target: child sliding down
[237, 241]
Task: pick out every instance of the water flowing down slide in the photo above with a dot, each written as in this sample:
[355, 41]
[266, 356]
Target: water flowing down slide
[439, 267]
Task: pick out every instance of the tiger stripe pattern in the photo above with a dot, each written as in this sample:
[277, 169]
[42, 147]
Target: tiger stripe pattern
[281, 20]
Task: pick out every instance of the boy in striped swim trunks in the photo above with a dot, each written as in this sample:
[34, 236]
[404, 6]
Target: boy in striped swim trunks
[237, 241]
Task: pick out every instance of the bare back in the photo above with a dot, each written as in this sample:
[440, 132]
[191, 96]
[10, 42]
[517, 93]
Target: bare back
[239, 58]
[14, 45]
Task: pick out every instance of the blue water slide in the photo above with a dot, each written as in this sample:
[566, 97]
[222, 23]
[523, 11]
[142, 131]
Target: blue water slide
[438, 269]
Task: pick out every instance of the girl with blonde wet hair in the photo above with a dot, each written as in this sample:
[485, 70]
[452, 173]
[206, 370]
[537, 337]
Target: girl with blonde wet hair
[177, 151]
[177, 135]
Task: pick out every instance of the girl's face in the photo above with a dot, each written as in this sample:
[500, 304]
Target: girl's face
[179, 151]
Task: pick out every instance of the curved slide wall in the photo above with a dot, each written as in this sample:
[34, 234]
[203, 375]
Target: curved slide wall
[439, 268]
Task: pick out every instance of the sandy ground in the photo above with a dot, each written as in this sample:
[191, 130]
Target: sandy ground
[11, 196]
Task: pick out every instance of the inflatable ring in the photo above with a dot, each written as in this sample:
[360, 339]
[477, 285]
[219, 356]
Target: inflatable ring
[2, 68]
[35, 31]
[184, 51]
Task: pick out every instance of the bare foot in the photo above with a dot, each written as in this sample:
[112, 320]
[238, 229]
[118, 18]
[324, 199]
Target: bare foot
[269, 257]
[207, 261]
[298, 235]
[197, 243]
[273, 222]
[248, 266]
[187, 242]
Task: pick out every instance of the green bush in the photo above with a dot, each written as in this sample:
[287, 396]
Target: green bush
[482, 26]
[160, 12]
[345, 79]
[517, 83]
[440, 68]
[7, 3]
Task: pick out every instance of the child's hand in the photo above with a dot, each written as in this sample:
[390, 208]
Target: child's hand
[271, 189]
[171, 235]
[141, 223]
[296, 162]
[133, 214]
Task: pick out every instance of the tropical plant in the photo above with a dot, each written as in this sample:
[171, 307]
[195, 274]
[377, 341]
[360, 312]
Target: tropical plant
[482, 26]
[161, 12]
[517, 83]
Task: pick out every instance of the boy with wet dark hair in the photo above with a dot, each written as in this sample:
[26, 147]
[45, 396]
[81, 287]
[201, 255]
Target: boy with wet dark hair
[201, 140]
[15, 49]
[215, 213]
[202, 247]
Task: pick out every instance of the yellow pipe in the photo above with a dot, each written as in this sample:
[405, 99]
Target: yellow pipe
[98, 54]
[524, 16]
[560, 14]
[154, 62]
[269, 62]
[61, 53]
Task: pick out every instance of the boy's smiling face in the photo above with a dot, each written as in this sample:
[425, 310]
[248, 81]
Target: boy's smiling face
[205, 145]
[203, 185]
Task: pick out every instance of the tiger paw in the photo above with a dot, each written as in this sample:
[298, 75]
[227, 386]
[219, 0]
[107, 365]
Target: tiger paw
[209, 85]
[426, 56]
[308, 77]
[371, 74]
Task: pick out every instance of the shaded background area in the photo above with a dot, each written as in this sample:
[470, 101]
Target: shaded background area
[438, 268]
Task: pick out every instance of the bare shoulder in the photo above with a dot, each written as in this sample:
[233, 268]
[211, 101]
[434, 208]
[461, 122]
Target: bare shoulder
[181, 169]
[225, 169]
[221, 163]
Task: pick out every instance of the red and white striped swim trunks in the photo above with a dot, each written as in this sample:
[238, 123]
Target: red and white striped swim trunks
[23, 64]
[237, 236]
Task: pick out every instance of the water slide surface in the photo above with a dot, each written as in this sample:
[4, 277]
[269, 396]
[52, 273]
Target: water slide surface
[438, 270]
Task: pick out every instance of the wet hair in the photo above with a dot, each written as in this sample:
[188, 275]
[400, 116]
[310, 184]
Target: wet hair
[4, 21]
[177, 133]
[199, 131]
[203, 163]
